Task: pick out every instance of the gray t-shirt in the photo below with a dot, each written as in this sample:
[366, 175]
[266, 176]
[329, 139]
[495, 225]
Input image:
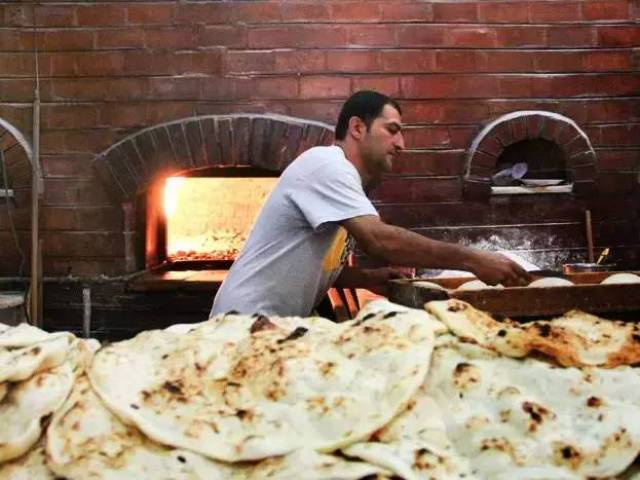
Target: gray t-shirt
[297, 247]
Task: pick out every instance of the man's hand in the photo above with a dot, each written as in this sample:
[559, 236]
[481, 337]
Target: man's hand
[380, 276]
[493, 268]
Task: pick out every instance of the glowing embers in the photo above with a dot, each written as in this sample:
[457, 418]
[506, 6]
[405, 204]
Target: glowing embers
[209, 218]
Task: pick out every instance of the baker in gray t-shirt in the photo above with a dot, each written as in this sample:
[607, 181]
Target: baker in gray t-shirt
[300, 241]
[297, 247]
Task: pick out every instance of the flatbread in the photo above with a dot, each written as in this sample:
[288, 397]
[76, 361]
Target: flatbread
[21, 362]
[473, 285]
[24, 335]
[235, 391]
[547, 282]
[309, 465]
[425, 284]
[576, 339]
[27, 404]
[30, 466]
[511, 417]
[384, 307]
[85, 440]
[621, 278]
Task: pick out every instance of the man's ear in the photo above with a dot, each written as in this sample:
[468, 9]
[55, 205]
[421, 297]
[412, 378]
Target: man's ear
[357, 128]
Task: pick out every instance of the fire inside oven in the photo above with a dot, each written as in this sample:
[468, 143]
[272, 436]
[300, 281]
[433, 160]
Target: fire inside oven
[208, 219]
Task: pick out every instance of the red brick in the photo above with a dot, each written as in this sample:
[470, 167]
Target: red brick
[208, 13]
[75, 141]
[324, 111]
[16, 39]
[16, 15]
[123, 115]
[407, 12]
[16, 90]
[615, 135]
[389, 85]
[417, 189]
[455, 12]
[325, 87]
[97, 64]
[427, 137]
[420, 35]
[223, 35]
[613, 110]
[571, 36]
[499, 12]
[22, 64]
[55, 15]
[619, 160]
[275, 87]
[298, 11]
[456, 61]
[121, 38]
[559, 61]
[605, 10]
[353, 61]
[618, 36]
[491, 146]
[407, 60]
[461, 137]
[604, 61]
[65, 40]
[172, 37]
[432, 163]
[616, 183]
[160, 112]
[474, 37]
[521, 36]
[99, 89]
[449, 86]
[358, 11]
[314, 36]
[372, 35]
[69, 116]
[101, 15]
[151, 13]
[201, 62]
[547, 12]
[504, 61]
[438, 111]
[257, 12]
[178, 88]
[617, 84]
[301, 61]
[217, 89]
[249, 62]
[57, 64]
[67, 165]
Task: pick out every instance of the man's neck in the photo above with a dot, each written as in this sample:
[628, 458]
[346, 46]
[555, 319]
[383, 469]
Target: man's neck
[351, 153]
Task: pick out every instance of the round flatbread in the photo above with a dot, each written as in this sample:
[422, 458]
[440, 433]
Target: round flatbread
[425, 284]
[30, 466]
[621, 278]
[476, 285]
[26, 404]
[246, 388]
[85, 440]
[551, 282]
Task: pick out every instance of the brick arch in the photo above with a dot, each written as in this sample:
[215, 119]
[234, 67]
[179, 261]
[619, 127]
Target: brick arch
[513, 127]
[18, 157]
[269, 142]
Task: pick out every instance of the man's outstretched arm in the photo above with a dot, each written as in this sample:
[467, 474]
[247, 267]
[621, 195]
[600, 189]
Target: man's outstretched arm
[403, 247]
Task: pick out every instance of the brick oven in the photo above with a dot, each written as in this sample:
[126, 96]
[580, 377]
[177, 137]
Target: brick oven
[134, 93]
[191, 189]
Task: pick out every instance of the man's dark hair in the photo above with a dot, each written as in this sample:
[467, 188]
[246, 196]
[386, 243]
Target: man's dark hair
[366, 105]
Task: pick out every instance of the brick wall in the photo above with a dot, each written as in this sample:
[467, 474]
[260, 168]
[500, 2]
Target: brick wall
[109, 69]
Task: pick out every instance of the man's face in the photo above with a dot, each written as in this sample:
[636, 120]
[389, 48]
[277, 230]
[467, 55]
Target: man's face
[382, 142]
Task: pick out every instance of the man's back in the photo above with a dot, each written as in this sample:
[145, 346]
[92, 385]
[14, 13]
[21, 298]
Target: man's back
[296, 248]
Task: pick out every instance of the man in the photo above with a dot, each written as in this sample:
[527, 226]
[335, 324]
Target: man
[303, 234]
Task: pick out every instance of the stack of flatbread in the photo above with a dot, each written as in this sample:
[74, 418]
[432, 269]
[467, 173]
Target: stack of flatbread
[445, 393]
